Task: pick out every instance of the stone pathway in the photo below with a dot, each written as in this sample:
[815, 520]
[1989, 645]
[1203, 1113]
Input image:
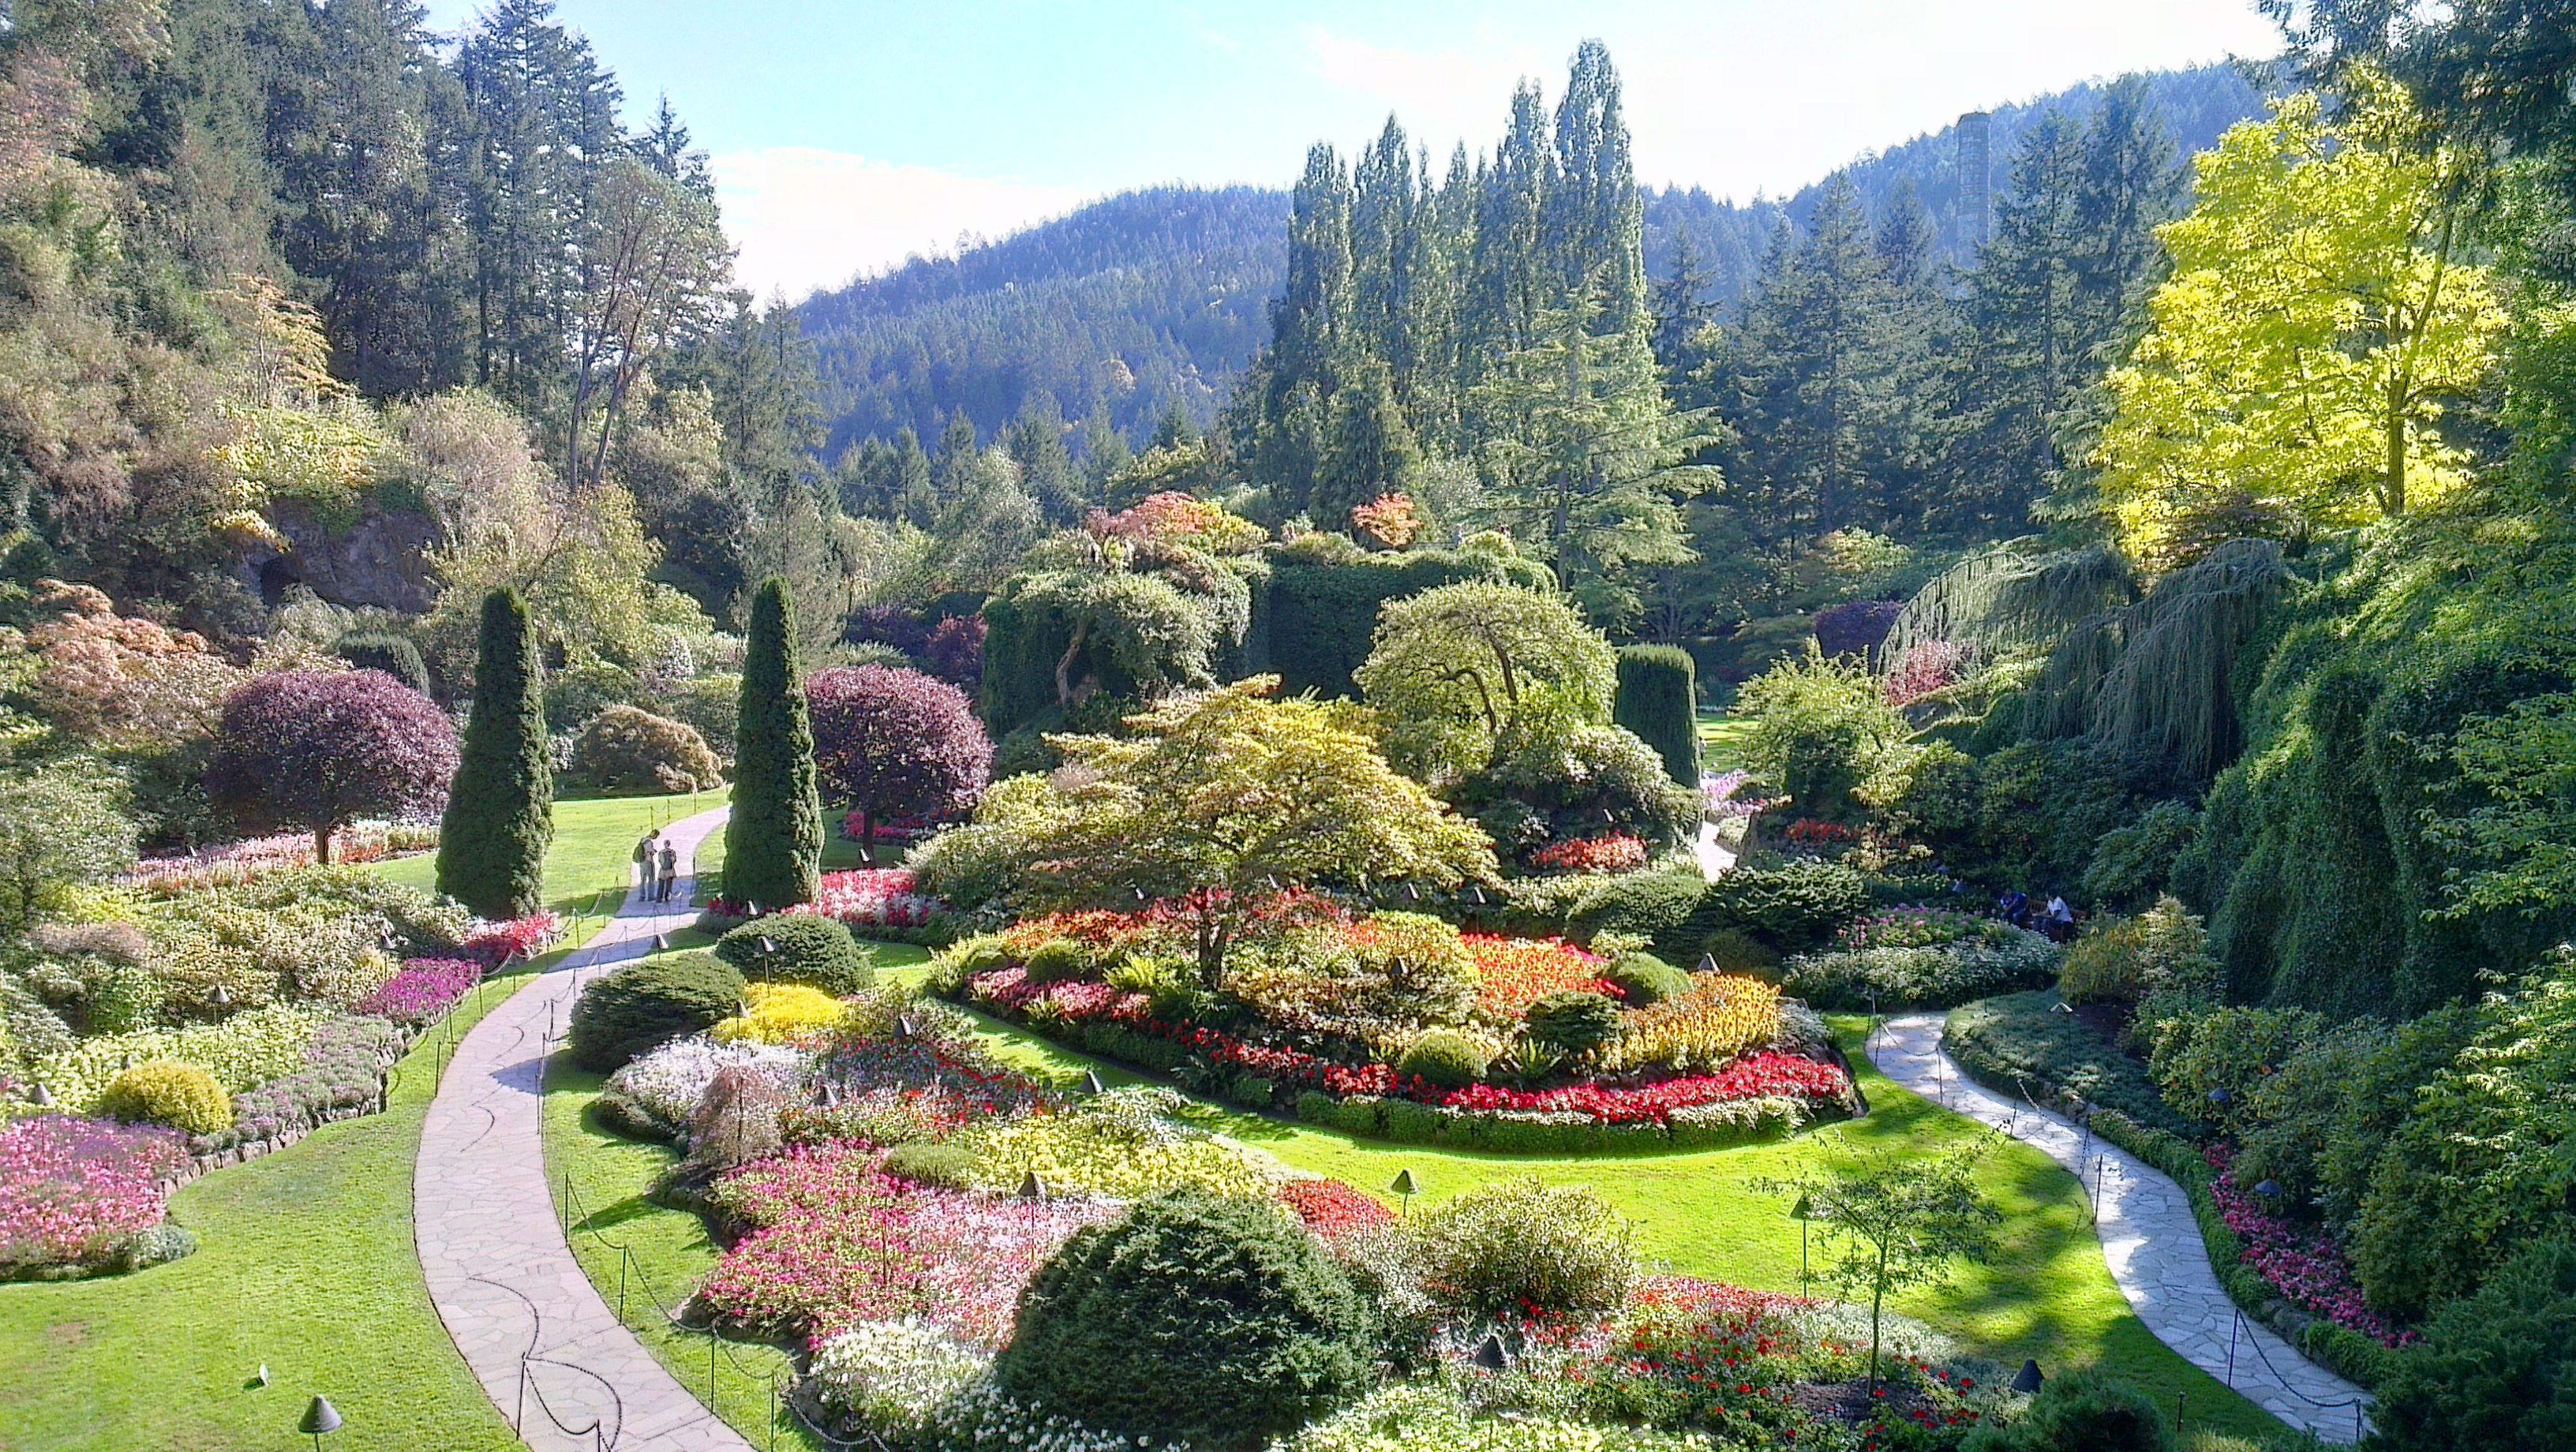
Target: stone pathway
[548, 1350]
[2149, 1237]
[1715, 859]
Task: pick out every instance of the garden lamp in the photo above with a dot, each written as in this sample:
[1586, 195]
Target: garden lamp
[1091, 1082]
[1412, 893]
[767, 946]
[661, 942]
[1489, 1354]
[1030, 1189]
[319, 1418]
[2269, 1190]
[2027, 1382]
[1804, 1212]
[222, 997]
[260, 1377]
[2062, 1006]
[1403, 1185]
[903, 1027]
[40, 1096]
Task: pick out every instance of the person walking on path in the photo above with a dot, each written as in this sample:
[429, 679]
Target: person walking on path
[670, 873]
[644, 857]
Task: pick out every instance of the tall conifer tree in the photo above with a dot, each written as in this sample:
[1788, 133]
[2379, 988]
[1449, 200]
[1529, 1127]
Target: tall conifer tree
[500, 813]
[774, 840]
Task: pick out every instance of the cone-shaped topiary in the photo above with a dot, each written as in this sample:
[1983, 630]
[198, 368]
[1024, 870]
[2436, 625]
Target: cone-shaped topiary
[1658, 699]
[774, 840]
[500, 814]
[1212, 1322]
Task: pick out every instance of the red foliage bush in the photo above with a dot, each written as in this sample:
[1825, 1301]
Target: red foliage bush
[321, 749]
[896, 742]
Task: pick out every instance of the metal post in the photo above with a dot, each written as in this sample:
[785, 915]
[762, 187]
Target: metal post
[519, 1423]
[2178, 1396]
[2235, 1328]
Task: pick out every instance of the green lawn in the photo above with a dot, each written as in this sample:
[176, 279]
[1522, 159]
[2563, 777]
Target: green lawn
[1721, 740]
[593, 851]
[307, 1266]
[2048, 1294]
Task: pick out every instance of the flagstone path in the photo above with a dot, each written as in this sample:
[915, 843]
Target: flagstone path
[550, 1353]
[2149, 1237]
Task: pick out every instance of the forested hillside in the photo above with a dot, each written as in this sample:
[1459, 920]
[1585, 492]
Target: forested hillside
[1117, 311]
[1731, 236]
[1169, 283]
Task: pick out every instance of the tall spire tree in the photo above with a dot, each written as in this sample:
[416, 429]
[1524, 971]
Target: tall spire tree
[499, 821]
[774, 839]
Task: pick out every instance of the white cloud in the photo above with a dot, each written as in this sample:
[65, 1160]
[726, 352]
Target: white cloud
[806, 218]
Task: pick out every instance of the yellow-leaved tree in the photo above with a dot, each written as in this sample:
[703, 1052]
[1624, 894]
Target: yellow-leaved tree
[2317, 319]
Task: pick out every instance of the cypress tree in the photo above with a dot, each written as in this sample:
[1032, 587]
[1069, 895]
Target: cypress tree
[500, 813]
[1658, 700]
[774, 840]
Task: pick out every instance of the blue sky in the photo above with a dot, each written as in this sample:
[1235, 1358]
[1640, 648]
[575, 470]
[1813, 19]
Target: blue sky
[849, 135]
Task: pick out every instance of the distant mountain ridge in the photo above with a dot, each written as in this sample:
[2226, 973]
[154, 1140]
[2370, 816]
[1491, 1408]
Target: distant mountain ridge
[1127, 305]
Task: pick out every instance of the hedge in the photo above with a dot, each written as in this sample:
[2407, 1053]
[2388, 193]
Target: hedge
[376, 651]
[2023, 1040]
[1658, 699]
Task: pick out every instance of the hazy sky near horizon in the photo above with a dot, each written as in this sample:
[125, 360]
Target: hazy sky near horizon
[847, 136]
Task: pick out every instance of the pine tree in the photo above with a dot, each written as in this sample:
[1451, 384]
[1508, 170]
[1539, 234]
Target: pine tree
[774, 839]
[1368, 451]
[500, 814]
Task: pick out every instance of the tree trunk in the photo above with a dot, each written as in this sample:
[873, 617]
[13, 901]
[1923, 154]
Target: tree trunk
[2392, 493]
[1064, 663]
[322, 845]
[867, 836]
[1877, 1298]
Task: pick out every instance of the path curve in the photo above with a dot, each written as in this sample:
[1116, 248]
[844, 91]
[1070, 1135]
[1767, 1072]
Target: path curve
[548, 1350]
[2149, 1237]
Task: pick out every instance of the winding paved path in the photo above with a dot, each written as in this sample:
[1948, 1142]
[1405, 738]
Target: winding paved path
[547, 1349]
[2149, 1237]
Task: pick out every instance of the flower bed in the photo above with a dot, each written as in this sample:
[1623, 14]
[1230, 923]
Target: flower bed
[833, 1243]
[874, 899]
[1618, 852]
[1329, 1207]
[243, 1052]
[1514, 973]
[423, 991]
[236, 863]
[2302, 1262]
[342, 1074]
[519, 938]
[73, 1190]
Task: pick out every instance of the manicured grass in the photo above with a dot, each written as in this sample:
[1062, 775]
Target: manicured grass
[307, 1266]
[600, 1183]
[1721, 740]
[593, 851]
[2047, 1294]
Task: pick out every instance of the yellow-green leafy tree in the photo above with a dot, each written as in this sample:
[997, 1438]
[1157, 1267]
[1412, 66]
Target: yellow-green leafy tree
[2318, 318]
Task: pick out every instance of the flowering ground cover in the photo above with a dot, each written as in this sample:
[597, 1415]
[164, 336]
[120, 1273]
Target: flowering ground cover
[424, 989]
[72, 1188]
[876, 897]
[239, 862]
[2301, 1261]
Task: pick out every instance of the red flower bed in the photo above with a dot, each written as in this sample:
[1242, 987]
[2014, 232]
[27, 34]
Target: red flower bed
[498, 943]
[2302, 1262]
[1518, 972]
[1756, 1076]
[1618, 852]
[1329, 1207]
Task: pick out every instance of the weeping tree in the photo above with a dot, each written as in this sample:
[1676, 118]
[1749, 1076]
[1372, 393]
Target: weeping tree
[774, 839]
[2012, 597]
[2156, 677]
[500, 813]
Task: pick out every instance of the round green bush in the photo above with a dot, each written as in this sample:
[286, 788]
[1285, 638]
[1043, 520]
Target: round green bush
[1058, 960]
[645, 1004]
[1444, 1060]
[623, 749]
[1647, 979]
[1213, 1322]
[2493, 1367]
[800, 948]
[1573, 1023]
[931, 1162]
[2082, 1411]
[169, 1092]
[1733, 950]
[1497, 1250]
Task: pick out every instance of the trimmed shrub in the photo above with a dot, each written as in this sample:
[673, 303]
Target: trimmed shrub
[500, 815]
[1790, 904]
[931, 1162]
[2083, 1411]
[736, 1121]
[643, 1005]
[169, 1092]
[2493, 1369]
[774, 839]
[1506, 1248]
[1658, 698]
[623, 749]
[1647, 979]
[2022, 1040]
[2208, 1067]
[377, 651]
[1934, 977]
[1573, 1023]
[800, 948]
[2123, 960]
[1213, 1322]
[1444, 1059]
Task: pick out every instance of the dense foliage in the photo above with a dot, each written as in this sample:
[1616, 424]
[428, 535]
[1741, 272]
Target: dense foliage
[895, 743]
[641, 1006]
[774, 838]
[320, 749]
[500, 812]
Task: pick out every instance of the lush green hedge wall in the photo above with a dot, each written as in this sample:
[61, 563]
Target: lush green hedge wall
[2021, 1041]
[1659, 700]
[2313, 864]
[1315, 623]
